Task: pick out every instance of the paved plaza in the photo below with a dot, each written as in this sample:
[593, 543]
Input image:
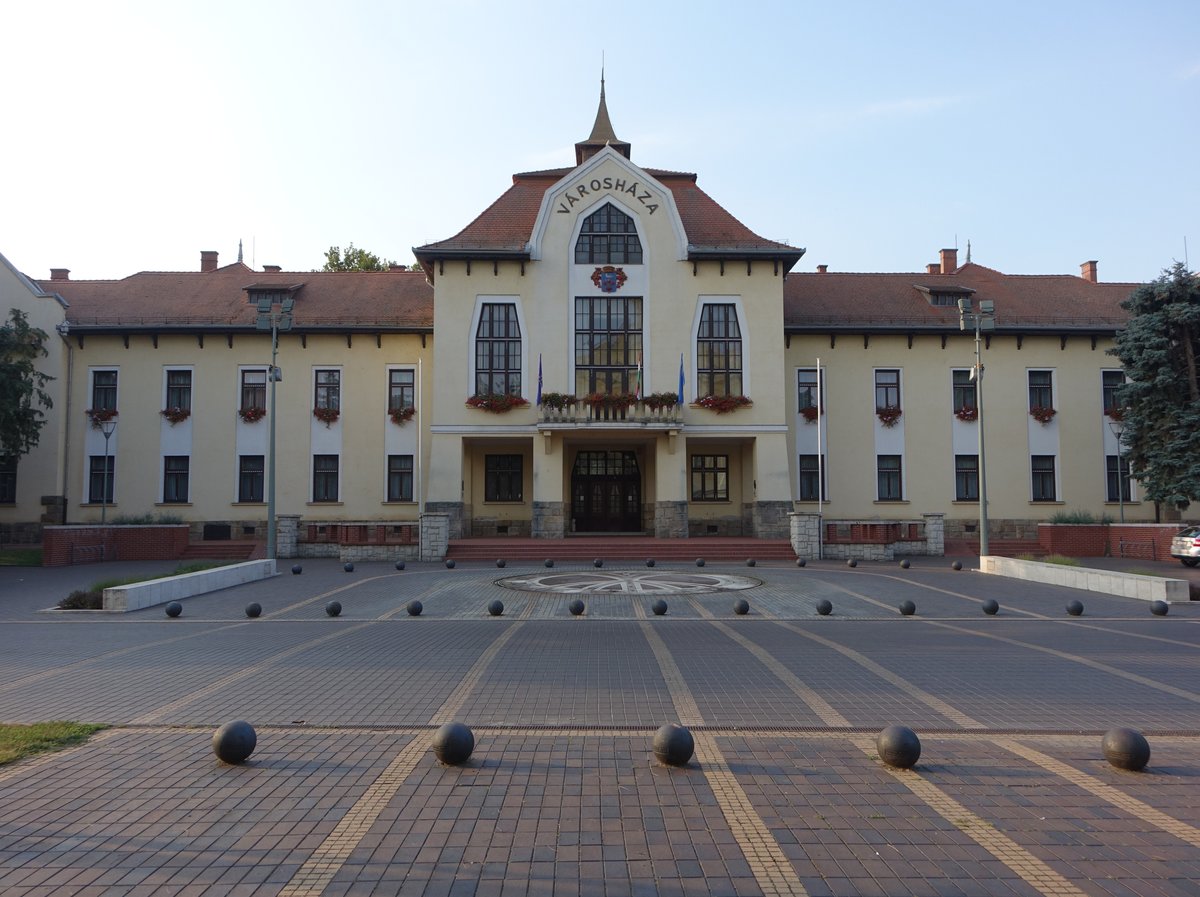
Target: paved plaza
[563, 795]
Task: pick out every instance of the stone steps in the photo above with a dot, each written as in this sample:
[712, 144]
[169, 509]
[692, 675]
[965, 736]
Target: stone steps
[587, 548]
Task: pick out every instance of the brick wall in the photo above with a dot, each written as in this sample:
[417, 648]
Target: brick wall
[1148, 541]
[66, 545]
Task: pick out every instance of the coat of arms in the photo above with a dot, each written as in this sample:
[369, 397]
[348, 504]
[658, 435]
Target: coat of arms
[609, 279]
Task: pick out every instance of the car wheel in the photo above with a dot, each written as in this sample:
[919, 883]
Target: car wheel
[1189, 562]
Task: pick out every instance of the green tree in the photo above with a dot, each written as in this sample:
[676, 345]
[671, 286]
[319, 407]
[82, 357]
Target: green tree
[21, 385]
[1161, 401]
[354, 259]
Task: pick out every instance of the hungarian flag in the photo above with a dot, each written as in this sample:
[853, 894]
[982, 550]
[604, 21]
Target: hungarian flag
[637, 392]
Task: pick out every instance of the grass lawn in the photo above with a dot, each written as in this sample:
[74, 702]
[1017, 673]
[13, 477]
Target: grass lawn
[17, 742]
[21, 557]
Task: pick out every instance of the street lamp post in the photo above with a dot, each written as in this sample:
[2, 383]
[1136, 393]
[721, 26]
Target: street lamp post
[274, 314]
[982, 320]
[107, 427]
[1118, 430]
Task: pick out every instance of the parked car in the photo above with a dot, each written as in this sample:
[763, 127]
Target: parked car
[1186, 546]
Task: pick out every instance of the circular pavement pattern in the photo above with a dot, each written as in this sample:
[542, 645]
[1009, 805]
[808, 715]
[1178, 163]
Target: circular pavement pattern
[662, 582]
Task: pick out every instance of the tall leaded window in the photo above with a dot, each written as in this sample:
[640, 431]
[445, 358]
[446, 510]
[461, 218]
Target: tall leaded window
[608, 237]
[179, 390]
[498, 350]
[719, 351]
[710, 478]
[175, 479]
[8, 479]
[964, 391]
[400, 478]
[328, 395]
[325, 478]
[806, 388]
[250, 478]
[887, 389]
[1042, 470]
[100, 479]
[502, 478]
[608, 344]
[1117, 480]
[888, 475]
[1041, 389]
[104, 390]
[966, 478]
[1112, 381]
[812, 478]
[254, 389]
[401, 389]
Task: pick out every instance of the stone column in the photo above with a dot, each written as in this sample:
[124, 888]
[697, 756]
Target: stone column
[935, 534]
[549, 520]
[435, 536]
[805, 529]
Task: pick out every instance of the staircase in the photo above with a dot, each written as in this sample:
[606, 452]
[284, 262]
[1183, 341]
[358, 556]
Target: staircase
[717, 549]
[224, 550]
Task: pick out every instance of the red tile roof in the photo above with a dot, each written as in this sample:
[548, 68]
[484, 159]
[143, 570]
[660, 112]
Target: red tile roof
[399, 300]
[880, 301]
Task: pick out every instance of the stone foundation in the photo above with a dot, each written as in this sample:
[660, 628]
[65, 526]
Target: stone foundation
[435, 536]
[671, 520]
[967, 528]
[770, 519]
[716, 526]
[487, 527]
[455, 513]
[804, 529]
[287, 534]
[549, 520]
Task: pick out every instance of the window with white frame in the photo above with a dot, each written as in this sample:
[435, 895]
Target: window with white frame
[175, 479]
[1042, 472]
[888, 475]
[498, 350]
[608, 237]
[719, 351]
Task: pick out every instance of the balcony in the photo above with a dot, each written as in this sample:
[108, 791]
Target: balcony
[579, 412]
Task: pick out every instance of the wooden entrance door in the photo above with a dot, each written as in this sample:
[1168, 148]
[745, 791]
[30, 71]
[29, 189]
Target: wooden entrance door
[606, 492]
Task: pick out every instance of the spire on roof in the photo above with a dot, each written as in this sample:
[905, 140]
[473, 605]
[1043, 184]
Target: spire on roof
[602, 133]
[239, 251]
[968, 261]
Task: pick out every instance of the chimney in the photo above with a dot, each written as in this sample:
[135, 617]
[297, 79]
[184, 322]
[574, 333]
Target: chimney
[933, 268]
[821, 269]
[949, 261]
[1088, 271]
[271, 269]
[60, 273]
[208, 261]
[393, 266]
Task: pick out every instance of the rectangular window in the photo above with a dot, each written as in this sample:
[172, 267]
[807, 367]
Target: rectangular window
[325, 478]
[104, 390]
[806, 389]
[719, 351]
[400, 478]
[175, 479]
[401, 390]
[250, 478]
[8, 479]
[328, 390]
[608, 344]
[100, 479]
[888, 472]
[498, 350]
[179, 390]
[964, 391]
[887, 389]
[812, 479]
[710, 478]
[1110, 462]
[1041, 389]
[502, 478]
[1042, 467]
[254, 390]
[966, 478]
[1112, 381]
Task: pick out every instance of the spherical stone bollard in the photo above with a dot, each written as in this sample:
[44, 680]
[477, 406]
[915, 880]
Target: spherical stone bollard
[751, 562]
[575, 607]
[851, 562]
[174, 609]
[496, 608]
[549, 562]
[699, 562]
[234, 742]
[659, 607]
[824, 607]
[253, 609]
[348, 567]
[898, 746]
[399, 565]
[297, 569]
[598, 562]
[1126, 749]
[904, 564]
[674, 745]
[991, 606]
[414, 608]
[501, 563]
[957, 565]
[907, 608]
[450, 564]
[649, 562]
[1159, 608]
[1075, 608]
[741, 607]
[800, 562]
[333, 608]
[453, 743]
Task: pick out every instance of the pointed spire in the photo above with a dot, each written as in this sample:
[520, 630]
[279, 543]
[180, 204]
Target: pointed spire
[239, 252]
[602, 133]
[968, 261]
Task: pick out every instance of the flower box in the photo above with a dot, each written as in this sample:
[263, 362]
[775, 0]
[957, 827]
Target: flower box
[888, 415]
[497, 404]
[559, 401]
[400, 415]
[657, 401]
[176, 415]
[967, 414]
[1042, 414]
[610, 400]
[327, 416]
[252, 415]
[810, 414]
[100, 415]
[723, 404]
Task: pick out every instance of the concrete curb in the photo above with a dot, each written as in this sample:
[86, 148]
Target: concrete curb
[137, 596]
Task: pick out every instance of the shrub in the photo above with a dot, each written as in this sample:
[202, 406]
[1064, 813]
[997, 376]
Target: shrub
[1076, 517]
[82, 600]
[145, 520]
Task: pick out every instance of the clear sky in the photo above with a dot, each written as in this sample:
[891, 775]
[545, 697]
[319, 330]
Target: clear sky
[137, 134]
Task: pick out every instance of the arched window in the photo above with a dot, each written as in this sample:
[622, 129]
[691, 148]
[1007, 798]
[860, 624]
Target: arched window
[719, 352]
[608, 237]
[498, 350]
